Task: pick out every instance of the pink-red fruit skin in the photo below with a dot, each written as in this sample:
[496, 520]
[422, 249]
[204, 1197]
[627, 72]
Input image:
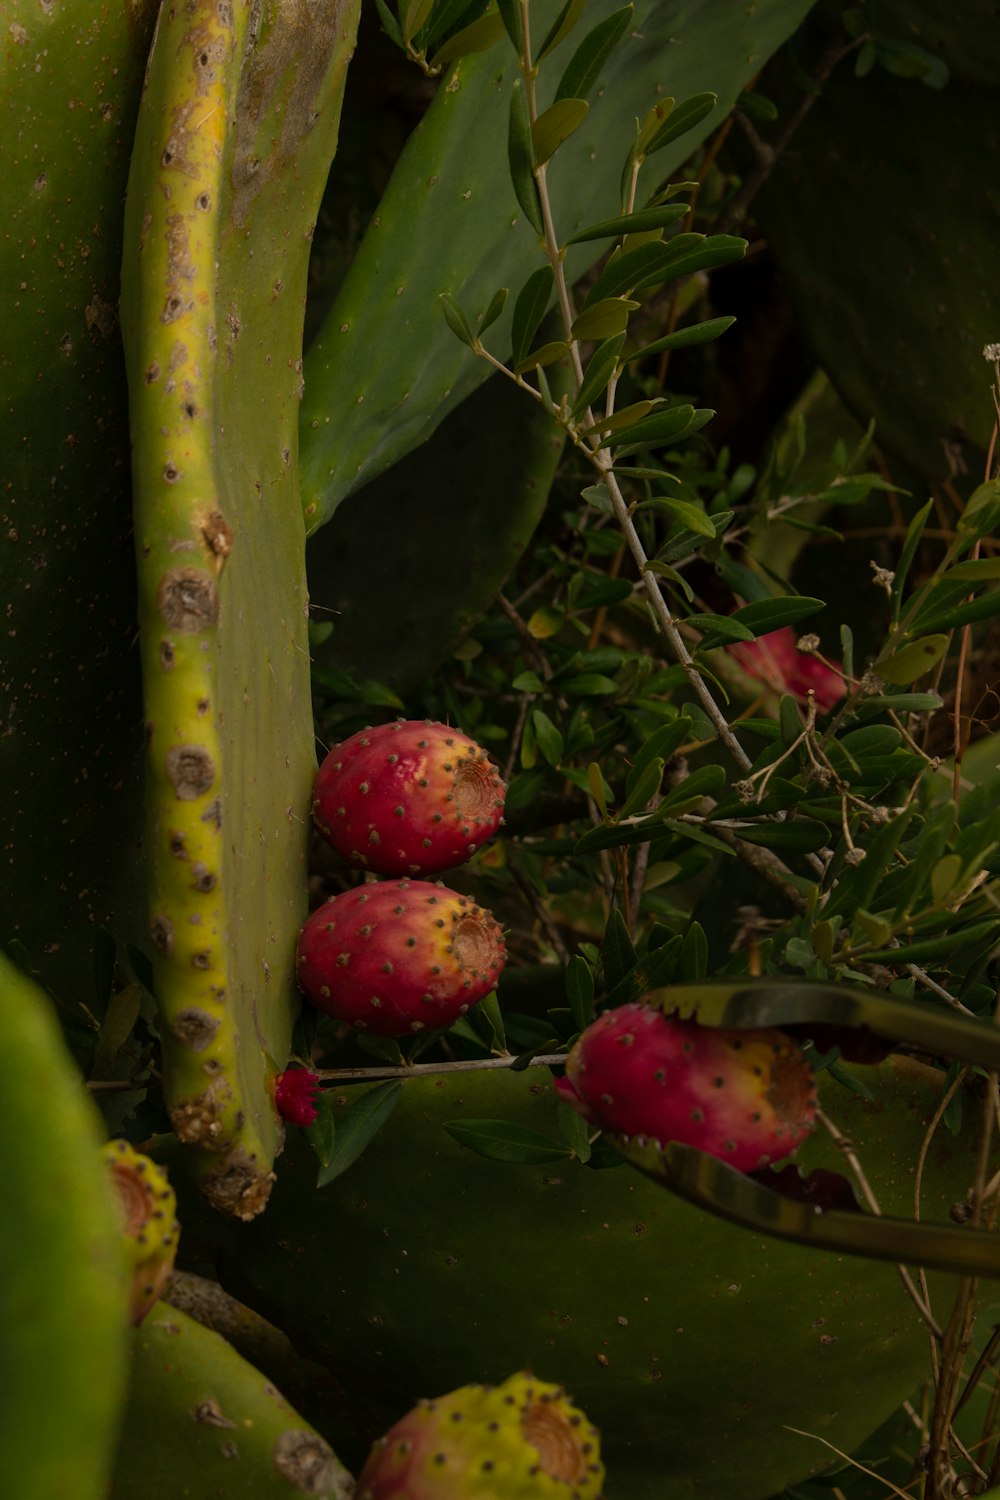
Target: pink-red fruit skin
[745, 1096]
[522, 1440]
[399, 956]
[409, 798]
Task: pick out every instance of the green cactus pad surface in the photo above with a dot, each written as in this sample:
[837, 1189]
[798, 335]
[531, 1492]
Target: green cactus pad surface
[203, 1423]
[384, 368]
[237, 128]
[71, 746]
[904, 348]
[690, 1343]
[63, 1316]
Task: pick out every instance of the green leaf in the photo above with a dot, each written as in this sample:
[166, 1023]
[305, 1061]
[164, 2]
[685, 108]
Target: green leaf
[414, 14]
[529, 309]
[797, 836]
[641, 786]
[604, 319]
[618, 951]
[911, 542]
[602, 365]
[578, 983]
[944, 877]
[685, 116]
[504, 1140]
[715, 250]
[321, 1132]
[597, 787]
[555, 125]
[520, 157]
[985, 607]
[548, 737]
[510, 14]
[912, 661]
[545, 354]
[663, 743]
[982, 510]
[497, 303]
[661, 427]
[685, 338]
[765, 615]
[356, 1126]
[928, 949]
[653, 970]
[587, 61]
[560, 28]
[456, 319]
[856, 887]
[686, 514]
[447, 14]
[635, 223]
[478, 36]
[592, 684]
[619, 419]
[692, 962]
[119, 1019]
[389, 23]
[723, 625]
[574, 1130]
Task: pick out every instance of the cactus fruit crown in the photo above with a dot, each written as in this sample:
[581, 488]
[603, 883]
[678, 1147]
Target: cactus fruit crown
[745, 1096]
[522, 1440]
[399, 956]
[409, 798]
[149, 1223]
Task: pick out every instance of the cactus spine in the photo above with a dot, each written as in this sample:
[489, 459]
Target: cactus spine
[217, 240]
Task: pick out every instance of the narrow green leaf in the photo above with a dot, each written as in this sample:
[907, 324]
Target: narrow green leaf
[504, 1140]
[716, 250]
[599, 371]
[529, 310]
[579, 987]
[686, 338]
[545, 354]
[704, 781]
[692, 962]
[642, 785]
[911, 542]
[585, 65]
[721, 625]
[635, 223]
[982, 509]
[414, 14]
[619, 419]
[685, 116]
[604, 319]
[389, 23]
[456, 319]
[447, 14]
[510, 14]
[856, 887]
[663, 743]
[555, 125]
[497, 304]
[686, 514]
[913, 660]
[520, 158]
[574, 1130]
[548, 737]
[560, 28]
[765, 615]
[478, 36]
[662, 427]
[984, 607]
[654, 969]
[661, 111]
[618, 950]
[321, 1132]
[975, 570]
[359, 1124]
[119, 1019]
[924, 951]
[944, 877]
[798, 835]
[597, 787]
[625, 269]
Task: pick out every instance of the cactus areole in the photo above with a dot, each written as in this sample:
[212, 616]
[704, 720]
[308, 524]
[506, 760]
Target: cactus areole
[409, 798]
[522, 1440]
[399, 957]
[745, 1096]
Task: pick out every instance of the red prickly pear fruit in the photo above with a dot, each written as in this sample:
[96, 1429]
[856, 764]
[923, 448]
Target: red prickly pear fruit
[409, 798]
[149, 1223]
[399, 956]
[746, 1096]
[522, 1440]
[295, 1093]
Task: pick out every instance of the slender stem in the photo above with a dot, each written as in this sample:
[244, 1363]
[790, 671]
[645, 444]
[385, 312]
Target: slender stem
[426, 1070]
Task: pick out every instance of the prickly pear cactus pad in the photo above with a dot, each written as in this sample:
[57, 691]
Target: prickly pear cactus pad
[237, 128]
[382, 371]
[70, 79]
[148, 1211]
[63, 1293]
[691, 1344]
[203, 1423]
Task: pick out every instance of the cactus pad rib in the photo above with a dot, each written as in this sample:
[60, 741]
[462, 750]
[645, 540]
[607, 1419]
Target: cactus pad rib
[237, 128]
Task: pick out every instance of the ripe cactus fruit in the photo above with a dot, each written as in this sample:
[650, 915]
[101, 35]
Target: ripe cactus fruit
[295, 1093]
[522, 1440]
[399, 956]
[148, 1209]
[746, 1096]
[409, 798]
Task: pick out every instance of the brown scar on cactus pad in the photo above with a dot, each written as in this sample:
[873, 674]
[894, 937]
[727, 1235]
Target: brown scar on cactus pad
[522, 1440]
[409, 798]
[399, 957]
[149, 1222]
